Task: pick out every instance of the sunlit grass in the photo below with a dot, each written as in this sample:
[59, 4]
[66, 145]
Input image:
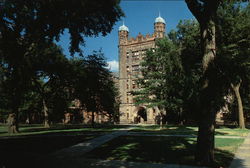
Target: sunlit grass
[183, 130]
[59, 128]
[233, 131]
[228, 144]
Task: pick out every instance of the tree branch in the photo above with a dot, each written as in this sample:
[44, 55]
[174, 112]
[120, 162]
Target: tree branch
[196, 8]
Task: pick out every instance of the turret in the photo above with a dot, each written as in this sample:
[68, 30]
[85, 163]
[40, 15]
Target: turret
[123, 34]
[159, 27]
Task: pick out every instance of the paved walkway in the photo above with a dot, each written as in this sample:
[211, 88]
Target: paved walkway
[82, 148]
[242, 156]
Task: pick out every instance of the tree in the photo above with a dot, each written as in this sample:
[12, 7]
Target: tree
[51, 78]
[93, 85]
[13, 87]
[205, 12]
[233, 32]
[3, 92]
[24, 25]
[31, 108]
[187, 38]
[39, 21]
[109, 97]
[46, 80]
[214, 78]
[161, 79]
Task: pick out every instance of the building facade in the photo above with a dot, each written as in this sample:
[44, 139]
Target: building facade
[131, 53]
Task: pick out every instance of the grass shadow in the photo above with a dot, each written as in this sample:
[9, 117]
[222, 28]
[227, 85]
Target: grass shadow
[24, 152]
[147, 149]
[166, 150]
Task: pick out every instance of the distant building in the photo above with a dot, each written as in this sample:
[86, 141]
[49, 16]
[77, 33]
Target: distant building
[131, 53]
[78, 114]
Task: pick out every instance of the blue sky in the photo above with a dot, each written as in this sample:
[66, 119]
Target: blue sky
[139, 17]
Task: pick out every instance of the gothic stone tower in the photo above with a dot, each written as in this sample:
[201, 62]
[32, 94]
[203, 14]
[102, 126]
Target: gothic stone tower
[131, 53]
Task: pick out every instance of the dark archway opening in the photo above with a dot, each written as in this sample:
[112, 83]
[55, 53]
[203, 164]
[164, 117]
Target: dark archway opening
[141, 115]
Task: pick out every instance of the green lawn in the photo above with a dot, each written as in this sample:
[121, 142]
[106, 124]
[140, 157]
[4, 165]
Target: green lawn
[38, 129]
[25, 151]
[183, 130]
[172, 150]
[35, 141]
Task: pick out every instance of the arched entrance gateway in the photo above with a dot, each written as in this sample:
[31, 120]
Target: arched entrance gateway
[141, 115]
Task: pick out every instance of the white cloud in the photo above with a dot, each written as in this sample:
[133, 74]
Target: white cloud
[113, 65]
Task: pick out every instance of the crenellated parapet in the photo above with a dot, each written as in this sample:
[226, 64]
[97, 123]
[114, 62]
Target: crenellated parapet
[140, 39]
[159, 32]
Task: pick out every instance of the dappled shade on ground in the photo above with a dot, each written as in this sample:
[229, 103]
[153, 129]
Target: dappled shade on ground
[167, 150]
[35, 142]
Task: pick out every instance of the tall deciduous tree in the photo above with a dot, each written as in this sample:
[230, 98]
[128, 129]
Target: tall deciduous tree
[187, 38]
[233, 24]
[24, 24]
[41, 20]
[50, 76]
[205, 13]
[217, 72]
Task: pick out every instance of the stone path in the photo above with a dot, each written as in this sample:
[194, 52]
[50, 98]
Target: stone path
[82, 148]
[242, 156]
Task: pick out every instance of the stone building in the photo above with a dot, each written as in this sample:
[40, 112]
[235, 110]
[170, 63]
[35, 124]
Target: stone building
[77, 114]
[131, 53]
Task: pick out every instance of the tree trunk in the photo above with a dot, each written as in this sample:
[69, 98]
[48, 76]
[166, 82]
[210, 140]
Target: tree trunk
[93, 118]
[12, 120]
[12, 123]
[205, 139]
[163, 117]
[46, 114]
[180, 118]
[236, 89]
[205, 13]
